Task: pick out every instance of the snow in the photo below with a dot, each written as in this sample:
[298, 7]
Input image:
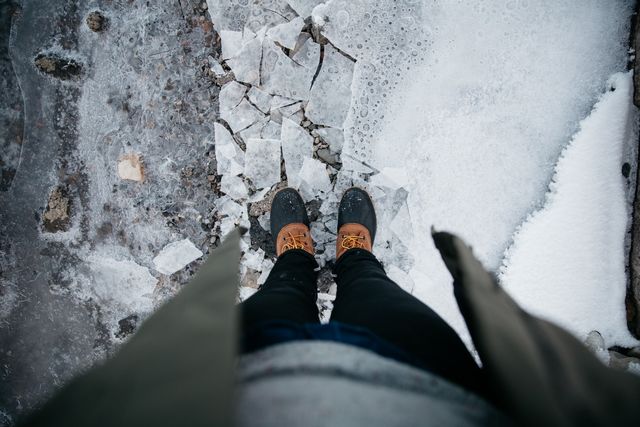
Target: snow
[330, 96]
[176, 256]
[469, 101]
[287, 34]
[297, 145]
[262, 162]
[579, 234]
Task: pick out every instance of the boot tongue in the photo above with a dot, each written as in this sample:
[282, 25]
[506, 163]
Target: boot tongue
[352, 236]
[294, 236]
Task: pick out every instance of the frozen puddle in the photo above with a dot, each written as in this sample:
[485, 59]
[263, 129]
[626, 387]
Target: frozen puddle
[452, 116]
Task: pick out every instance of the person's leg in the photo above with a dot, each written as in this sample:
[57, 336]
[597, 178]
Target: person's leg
[289, 293]
[288, 297]
[367, 297]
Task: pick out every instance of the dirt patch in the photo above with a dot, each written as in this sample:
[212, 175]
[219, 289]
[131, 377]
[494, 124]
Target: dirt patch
[58, 67]
[57, 215]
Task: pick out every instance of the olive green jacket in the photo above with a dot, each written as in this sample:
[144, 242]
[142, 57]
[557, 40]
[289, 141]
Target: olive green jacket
[178, 369]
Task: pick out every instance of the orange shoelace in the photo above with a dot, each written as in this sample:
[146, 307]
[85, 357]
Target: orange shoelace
[293, 242]
[352, 241]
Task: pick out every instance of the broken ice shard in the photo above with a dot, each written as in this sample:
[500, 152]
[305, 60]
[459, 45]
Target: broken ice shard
[243, 116]
[230, 96]
[297, 145]
[233, 186]
[175, 256]
[231, 43]
[229, 157]
[287, 34]
[262, 162]
[283, 76]
[260, 98]
[246, 64]
[314, 178]
[330, 96]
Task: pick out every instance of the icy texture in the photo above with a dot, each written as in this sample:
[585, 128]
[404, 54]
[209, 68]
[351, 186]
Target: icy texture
[297, 145]
[121, 287]
[260, 98]
[233, 186]
[262, 162]
[229, 157]
[313, 179]
[236, 14]
[287, 34]
[331, 93]
[243, 116]
[567, 261]
[230, 96]
[246, 64]
[304, 7]
[175, 256]
[289, 77]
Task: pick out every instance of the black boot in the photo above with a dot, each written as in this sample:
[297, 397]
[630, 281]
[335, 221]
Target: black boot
[289, 222]
[356, 222]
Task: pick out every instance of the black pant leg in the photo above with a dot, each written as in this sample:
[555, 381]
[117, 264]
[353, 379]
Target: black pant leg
[289, 293]
[367, 297]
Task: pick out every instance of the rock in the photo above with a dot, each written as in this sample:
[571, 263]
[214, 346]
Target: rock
[127, 326]
[328, 157]
[96, 21]
[57, 215]
[263, 206]
[130, 167]
[626, 169]
[58, 67]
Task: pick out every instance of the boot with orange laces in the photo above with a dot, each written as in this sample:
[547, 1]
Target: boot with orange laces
[290, 223]
[356, 222]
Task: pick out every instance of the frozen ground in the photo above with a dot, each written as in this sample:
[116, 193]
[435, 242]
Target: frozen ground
[495, 120]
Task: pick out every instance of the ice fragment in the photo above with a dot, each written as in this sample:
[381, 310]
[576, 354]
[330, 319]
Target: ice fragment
[175, 256]
[297, 145]
[287, 34]
[262, 162]
[229, 157]
[330, 96]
